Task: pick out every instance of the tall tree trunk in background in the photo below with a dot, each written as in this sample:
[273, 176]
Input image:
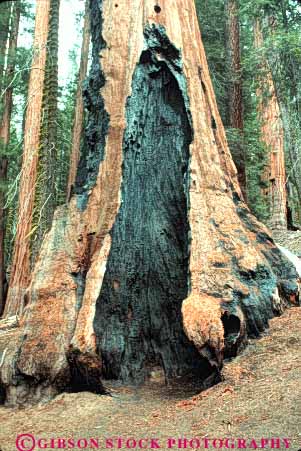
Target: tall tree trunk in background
[235, 94]
[9, 75]
[272, 135]
[156, 260]
[20, 270]
[3, 178]
[5, 118]
[79, 104]
[45, 195]
[5, 10]
[285, 67]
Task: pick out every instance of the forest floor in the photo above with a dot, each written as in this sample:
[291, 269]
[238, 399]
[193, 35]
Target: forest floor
[259, 398]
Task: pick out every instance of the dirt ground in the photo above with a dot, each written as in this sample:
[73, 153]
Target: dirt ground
[259, 398]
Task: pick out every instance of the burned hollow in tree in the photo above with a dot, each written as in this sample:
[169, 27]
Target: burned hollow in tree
[138, 313]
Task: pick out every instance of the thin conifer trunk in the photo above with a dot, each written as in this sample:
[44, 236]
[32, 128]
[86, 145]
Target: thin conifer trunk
[79, 104]
[5, 11]
[5, 137]
[20, 270]
[235, 93]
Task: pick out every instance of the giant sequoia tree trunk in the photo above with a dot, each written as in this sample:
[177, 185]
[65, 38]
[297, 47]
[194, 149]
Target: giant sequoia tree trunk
[156, 260]
[272, 135]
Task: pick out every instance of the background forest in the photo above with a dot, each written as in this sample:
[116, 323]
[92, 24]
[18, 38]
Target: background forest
[254, 54]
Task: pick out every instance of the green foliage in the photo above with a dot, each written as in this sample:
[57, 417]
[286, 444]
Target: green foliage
[281, 23]
[17, 82]
[58, 115]
[253, 70]
[211, 16]
[283, 48]
[14, 154]
[65, 124]
[256, 163]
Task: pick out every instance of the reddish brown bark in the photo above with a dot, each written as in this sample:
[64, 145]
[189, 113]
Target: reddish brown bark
[20, 270]
[79, 104]
[235, 94]
[272, 135]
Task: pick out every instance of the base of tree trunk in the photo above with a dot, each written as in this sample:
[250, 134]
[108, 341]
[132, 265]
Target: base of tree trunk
[156, 260]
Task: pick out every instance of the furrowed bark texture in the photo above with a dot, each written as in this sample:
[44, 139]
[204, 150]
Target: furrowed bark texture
[156, 260]
[272, 135]
[20, 270]
[45, 189]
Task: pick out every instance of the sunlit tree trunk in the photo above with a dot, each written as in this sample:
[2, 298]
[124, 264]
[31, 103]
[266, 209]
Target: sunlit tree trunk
[79, 104]
[156, 260]
[5, 10]
[5, 118]
[235, 94]
[272, 135]
[286, 74]
[20, 270]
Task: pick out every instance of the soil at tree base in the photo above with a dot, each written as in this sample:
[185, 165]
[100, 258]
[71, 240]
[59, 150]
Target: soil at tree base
[260, 397]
